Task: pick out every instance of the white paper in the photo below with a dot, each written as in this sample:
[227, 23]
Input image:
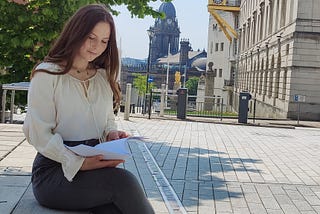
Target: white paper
[111, 150]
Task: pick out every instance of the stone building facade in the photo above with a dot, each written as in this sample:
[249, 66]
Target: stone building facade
[279, 57]
[221, 64]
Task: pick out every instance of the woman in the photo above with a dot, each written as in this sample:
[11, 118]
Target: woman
[70, 102]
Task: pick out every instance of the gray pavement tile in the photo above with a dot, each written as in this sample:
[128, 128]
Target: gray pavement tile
[305, 191]
[223, 206]
[302, 205]
[3, 154]
[277, 190]
[190, 205]
[273, 211]
[270, 203]
[190, 195]
[308, 212]
[294, 194]
[257, 208]
[11, 190]
[264, 190]
[241, 210]
[238, 203]
[287, 208]
[283, 199]
[316, 208]
[313, 200]
[207, 208]
[191, 185]
[252, 197]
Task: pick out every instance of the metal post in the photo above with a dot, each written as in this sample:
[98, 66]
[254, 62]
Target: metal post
[12, 105]
[167, 80]
[254, 110]
[128, 102]
[298, 113]
[4, 97]
[150, 34]
[221, 109]
[162, 100]
[147, 81]
[150, 100]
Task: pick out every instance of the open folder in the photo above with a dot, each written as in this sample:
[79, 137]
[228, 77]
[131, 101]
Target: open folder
[111, 150]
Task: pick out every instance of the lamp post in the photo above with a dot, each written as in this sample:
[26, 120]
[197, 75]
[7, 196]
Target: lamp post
[150, 34]
[167, 80]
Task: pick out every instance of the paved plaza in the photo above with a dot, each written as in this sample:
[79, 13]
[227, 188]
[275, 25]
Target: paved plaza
[195, 167]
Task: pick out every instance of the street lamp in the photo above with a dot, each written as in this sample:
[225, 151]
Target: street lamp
[151, 35]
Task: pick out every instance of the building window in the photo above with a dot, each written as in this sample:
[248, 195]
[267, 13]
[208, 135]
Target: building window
[214, 72]
[284, 86]
[217, 47]
[221, 46]
[283, 12]
[262, 6]
[271, 77]
[211, 47]
[220, 72]
[271, 18]
[277, 10]
[287, 49]
[214, 26]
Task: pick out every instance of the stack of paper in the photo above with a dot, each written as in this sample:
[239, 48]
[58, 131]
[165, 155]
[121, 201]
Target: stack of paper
[111, 150]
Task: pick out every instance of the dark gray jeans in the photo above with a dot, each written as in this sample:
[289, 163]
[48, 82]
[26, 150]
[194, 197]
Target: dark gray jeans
[106, 190]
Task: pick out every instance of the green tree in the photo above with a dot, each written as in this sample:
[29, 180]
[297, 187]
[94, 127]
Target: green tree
[140, 83]
[28, 30]
[192, 85]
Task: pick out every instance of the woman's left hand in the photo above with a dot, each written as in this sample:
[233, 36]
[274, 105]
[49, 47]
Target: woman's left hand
[115, 135]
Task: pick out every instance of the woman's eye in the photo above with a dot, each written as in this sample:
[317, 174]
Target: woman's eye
[105, 42]
[91, 37]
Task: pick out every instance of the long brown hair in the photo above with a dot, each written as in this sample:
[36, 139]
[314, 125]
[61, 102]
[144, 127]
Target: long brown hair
[75, 33]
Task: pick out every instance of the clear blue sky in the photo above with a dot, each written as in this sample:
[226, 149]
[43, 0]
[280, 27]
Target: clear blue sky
[193, 19]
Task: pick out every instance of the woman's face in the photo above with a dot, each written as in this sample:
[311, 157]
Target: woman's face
[96, 43]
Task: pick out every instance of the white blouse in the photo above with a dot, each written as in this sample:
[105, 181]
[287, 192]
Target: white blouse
[60, 108]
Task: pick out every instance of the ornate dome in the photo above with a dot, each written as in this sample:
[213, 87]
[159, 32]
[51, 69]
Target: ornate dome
[168, 9]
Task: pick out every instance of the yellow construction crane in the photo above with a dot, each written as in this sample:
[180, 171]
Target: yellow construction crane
[213, 6]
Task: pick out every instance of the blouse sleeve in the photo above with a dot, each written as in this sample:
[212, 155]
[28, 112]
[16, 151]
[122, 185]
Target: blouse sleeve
[41, 121]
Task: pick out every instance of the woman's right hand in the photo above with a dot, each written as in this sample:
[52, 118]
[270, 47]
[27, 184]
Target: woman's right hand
[97, 162]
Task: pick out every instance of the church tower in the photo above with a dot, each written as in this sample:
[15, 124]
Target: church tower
[166, 31]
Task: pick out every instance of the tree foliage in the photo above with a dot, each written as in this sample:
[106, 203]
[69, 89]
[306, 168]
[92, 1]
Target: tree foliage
[192, 85]
[28, 30]
[140, 83]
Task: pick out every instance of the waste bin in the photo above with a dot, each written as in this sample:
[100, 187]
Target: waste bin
[182, 103]
[244, 98]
